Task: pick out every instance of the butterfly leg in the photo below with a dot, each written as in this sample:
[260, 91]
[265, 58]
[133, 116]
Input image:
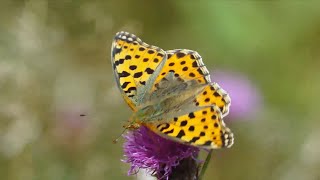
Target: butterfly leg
[131, 124]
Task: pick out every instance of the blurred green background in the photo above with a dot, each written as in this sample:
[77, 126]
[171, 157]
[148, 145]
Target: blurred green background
[55, 65]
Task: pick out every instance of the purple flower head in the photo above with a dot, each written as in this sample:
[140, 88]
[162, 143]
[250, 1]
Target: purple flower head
[245, 98]
[159, 156]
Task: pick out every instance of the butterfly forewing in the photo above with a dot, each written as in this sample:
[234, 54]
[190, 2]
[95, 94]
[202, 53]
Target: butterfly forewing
[134, 62]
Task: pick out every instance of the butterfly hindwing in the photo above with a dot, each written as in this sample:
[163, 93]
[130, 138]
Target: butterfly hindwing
[213, 94]
[185, 64]
[204, 128]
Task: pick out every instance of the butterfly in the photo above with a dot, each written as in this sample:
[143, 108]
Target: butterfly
[170, 92]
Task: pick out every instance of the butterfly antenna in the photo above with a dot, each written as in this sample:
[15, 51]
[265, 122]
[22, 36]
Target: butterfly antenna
[117, 139]
[131, 125]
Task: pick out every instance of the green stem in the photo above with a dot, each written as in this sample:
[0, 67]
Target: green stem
[205, 165]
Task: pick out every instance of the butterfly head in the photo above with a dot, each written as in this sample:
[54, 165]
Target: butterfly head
[144, 113]
[139, 117]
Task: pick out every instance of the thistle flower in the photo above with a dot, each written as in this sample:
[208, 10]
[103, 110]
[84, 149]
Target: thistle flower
[160, 157]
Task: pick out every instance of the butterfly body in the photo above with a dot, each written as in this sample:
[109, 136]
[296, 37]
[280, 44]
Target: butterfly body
[172, 98]
[170, 92]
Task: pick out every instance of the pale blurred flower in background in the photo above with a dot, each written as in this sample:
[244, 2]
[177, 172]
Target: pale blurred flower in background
[70, 126]
[246, 100]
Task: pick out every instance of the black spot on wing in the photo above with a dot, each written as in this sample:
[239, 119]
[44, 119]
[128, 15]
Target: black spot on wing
[145, 59]
[149, 70]
[168, 132]
[180, 134]
[124, 74]
[200, 71]
[160, 55]
[166, 126]
[180, 55]
[124, 85]
[132, 67]
[183, 123]
[150, 51]
[191, 115]
[128, 57]
[130, 89]
[192, 74]
[194, 64]
[137, 74]
[191, 128]
[194, 139]
[116, 51]
[223, 139]
[207, 143]
[120, 61]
